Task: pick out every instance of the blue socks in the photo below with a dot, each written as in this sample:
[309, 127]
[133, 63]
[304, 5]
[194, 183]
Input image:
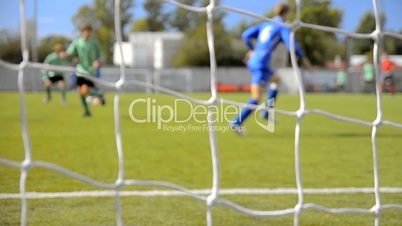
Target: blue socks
[244, 113]
[273, 91]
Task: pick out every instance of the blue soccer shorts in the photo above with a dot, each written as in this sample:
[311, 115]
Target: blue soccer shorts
[261, 76]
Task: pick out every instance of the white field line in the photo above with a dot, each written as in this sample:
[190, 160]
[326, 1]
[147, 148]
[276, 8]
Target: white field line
[206, 192]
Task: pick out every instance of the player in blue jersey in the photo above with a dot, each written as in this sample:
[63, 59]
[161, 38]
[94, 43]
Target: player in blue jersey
[267, 35]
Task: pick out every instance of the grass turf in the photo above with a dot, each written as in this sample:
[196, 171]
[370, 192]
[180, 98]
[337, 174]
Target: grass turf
[333, 154]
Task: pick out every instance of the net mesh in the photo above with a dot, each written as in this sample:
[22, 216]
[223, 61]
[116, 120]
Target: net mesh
[213, 196]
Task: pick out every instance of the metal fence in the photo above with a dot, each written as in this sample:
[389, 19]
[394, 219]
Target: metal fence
[198, 79]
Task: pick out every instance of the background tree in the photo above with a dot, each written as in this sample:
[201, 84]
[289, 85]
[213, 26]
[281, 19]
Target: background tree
[318, 46]
[239, 28]
[101, 16]
[398, 45]
[181, 19]
[393, 45]
[366, 25]
[85, 14]
[195, 52]
[46, 44]
[155, 19]
[10, 45]
[140, 25]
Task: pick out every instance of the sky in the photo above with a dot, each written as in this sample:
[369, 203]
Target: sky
[54, 16]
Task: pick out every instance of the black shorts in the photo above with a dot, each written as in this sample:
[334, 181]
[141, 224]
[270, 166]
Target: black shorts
[83, 81]
[389, 80]
[56, 78]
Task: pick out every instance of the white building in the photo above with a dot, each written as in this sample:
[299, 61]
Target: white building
[358, 60]
[148, 49]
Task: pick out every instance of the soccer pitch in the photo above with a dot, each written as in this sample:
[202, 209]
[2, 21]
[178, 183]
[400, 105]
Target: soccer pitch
[334, 154]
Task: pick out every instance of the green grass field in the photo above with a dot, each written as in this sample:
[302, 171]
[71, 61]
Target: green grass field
[334, 154]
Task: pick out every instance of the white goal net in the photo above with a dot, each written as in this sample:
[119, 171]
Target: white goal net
[211, 197]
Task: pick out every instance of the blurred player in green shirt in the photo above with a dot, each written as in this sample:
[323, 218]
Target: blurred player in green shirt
[341, 79]
[368, 76]
[89, 55]
[51, 77]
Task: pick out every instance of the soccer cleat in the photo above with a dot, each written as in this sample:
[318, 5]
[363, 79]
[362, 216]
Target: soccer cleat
[46, 100]
[238, 129]
[64, 102]
[264, 115]
[87, 114]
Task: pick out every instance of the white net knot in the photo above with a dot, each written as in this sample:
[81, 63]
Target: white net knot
[210, 8]
[119, 84]
[26, 164]
[300, 113]
[375, 209]
[211, 200]
[213, 100]
[299, 208]
[119, 183]
[23, 65]
[378, 122]
[376, 35]
[295, 25]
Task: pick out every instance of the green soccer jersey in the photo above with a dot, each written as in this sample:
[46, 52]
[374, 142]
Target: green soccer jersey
[368, 72]
[341, 78]
[87, 52]
[53, 59]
